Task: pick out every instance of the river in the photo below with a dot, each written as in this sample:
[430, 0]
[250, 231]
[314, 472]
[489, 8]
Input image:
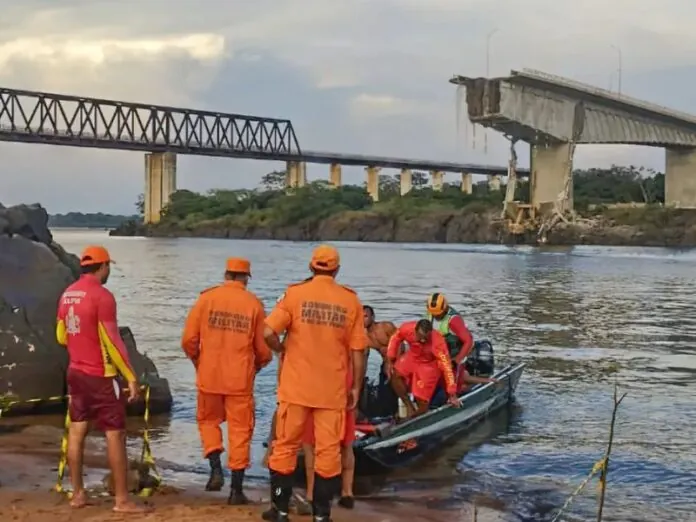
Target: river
[582, 319]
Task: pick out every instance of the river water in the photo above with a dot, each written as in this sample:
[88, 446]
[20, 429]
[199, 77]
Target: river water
[581, 318]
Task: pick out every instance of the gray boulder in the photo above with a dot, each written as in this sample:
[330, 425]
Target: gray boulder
[34, 271]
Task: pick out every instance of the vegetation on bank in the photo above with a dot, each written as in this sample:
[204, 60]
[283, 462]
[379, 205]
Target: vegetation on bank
[90, 220]
[272, 206]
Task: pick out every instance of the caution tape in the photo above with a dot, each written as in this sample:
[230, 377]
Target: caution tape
[6, 404]
[146, 459]
[599, 467]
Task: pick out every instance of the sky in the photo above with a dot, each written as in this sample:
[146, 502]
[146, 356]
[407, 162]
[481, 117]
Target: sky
[354, 76]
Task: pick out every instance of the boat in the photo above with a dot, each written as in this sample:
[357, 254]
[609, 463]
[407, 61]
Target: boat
[384, 446]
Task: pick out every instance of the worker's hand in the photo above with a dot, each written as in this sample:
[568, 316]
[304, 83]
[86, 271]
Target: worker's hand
[453, 400]
[353, 398]
[133, 391]
[388, 369]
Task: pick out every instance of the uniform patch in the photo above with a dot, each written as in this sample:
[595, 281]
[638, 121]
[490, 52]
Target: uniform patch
[280, 297]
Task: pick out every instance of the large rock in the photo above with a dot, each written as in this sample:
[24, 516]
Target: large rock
[34, 271]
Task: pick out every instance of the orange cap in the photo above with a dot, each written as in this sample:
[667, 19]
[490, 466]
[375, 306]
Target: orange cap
[325, 257]
[93, 255]
[238, 265]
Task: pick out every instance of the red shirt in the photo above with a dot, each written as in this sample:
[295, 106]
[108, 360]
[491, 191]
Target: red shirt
[458, 327]
[433, 351]
[87, 325]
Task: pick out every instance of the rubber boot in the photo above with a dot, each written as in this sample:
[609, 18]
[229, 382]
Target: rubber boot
[324, 490]
[281, 492]
[237, 497]
[217, 477]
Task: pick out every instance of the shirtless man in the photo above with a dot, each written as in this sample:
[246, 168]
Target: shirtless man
[378, 333]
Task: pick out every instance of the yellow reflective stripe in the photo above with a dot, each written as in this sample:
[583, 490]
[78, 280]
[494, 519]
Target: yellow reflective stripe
[114, 355]
[61, 333]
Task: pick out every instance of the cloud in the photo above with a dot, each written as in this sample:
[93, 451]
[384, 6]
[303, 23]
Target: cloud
[366, 76]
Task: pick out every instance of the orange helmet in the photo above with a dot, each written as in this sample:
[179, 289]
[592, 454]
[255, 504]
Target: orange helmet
[437, 304]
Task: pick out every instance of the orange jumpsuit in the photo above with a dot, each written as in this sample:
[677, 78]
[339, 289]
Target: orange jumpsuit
[223, 336]
[324, 322]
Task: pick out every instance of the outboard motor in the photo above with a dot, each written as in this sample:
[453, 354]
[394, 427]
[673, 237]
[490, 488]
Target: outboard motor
[481, 361]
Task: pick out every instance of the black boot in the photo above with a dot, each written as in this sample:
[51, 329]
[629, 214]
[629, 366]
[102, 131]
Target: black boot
[324, 490]
[217, 477]
[237, 497]
[281, 492]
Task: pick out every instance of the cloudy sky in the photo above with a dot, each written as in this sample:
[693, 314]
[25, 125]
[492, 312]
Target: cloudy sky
[352, 75]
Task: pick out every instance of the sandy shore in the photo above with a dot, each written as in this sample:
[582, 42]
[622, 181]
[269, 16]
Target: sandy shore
[28, 462]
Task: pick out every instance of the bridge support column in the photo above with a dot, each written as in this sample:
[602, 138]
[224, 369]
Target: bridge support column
[680, 178]
[438, 179]
[406, 181]
[335, 175]
[160, 184]
[494, 183]
[467, 183]
[373, 182]
[295, 174]
[551, 171]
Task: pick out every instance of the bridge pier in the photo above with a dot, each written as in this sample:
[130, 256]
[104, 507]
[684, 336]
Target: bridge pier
[680, 178]
[438, 180]
[295, 174]
[406, 181]
[494, 183]
[467, 183]
[551, 171]
[160, 184]
[373, 182]
[335, 175]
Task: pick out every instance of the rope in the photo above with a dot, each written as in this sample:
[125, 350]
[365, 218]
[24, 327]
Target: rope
[147, 461]
[599, 467]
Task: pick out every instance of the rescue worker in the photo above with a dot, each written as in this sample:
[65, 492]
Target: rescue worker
[325, 340]
[451, 325]
[421, 367]
[223, 337]
[87, 326]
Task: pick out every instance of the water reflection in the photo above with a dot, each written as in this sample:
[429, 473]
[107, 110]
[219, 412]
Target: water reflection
[582, 318]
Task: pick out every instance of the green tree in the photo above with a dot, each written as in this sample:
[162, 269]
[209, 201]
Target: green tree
[274, 180]
[140, 204]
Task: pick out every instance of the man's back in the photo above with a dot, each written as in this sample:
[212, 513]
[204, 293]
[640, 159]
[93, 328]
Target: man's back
[83, 309]
[323, 319]
[225, 327]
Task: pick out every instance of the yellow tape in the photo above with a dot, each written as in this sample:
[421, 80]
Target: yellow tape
[145, 456]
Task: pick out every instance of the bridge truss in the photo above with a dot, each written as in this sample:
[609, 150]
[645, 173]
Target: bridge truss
[56, 119]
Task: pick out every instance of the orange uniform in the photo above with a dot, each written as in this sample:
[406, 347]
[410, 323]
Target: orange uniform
[324, 324]
[223, 337]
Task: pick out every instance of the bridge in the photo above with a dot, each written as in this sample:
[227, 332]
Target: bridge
[554, 114]
[163, 132]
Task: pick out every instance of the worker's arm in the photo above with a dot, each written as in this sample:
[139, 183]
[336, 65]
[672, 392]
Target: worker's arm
[277, 322]
[191, 337]
[444, 362]
[358, 347]
[110, 337]
[61, 330]
[388, 329]
[395, 341]
[262, 352]
[459, 329]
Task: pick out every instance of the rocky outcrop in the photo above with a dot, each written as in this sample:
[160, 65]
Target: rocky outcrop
[633, 227]
[34, 271]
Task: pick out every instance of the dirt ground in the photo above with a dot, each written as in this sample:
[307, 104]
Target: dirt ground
[28, 462]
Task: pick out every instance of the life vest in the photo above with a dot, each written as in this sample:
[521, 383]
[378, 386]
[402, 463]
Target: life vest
[454, 344]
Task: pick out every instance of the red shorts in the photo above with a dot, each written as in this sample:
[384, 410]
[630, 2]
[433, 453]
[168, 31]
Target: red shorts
[96, 399]
[422, 376]
[348, 432]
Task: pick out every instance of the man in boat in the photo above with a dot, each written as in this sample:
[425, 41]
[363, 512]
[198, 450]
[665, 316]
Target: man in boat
[421, 367]
[378, 333]
[322, 351]
[223, 337]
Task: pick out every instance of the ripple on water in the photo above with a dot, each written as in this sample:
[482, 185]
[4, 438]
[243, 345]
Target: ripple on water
[581, 317]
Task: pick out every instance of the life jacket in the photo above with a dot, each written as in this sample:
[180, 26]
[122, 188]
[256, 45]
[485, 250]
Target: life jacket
[454, 344]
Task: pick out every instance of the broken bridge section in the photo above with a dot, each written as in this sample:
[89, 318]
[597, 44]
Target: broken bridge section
[554, 114]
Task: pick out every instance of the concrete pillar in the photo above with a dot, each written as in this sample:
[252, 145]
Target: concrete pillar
[335, 175]
[406, 181]
[493, 183]
[295, 174]
[551, 166]
[438, 180]
[467, 183]
[160, 184]
[680, 178]
[373, 182]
